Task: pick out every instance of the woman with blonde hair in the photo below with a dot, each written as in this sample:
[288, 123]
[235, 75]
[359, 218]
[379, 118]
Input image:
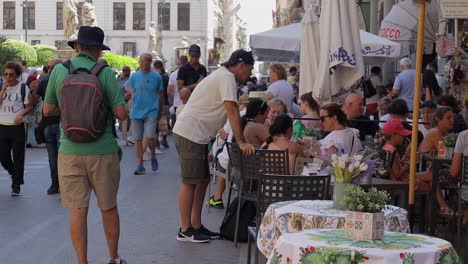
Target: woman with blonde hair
[280, 87]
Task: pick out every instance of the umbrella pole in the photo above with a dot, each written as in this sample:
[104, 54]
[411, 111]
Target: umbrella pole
[417, 99]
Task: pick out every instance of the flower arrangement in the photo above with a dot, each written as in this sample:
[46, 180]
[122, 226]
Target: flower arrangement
[346, 169]
[372, 201]
[450, 140]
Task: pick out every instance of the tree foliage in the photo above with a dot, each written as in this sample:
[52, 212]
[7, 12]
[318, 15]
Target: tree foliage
[44, 54]
[6, 53]
[23, 50]
[117, 61]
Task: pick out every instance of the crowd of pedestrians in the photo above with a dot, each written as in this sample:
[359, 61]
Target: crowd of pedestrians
[197, 108]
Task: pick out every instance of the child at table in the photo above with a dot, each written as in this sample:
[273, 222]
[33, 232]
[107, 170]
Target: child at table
[395, 135]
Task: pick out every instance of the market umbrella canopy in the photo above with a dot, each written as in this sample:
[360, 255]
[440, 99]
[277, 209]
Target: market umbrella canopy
[401, 24]
[341, 63]
[310, 43]
[283, 45]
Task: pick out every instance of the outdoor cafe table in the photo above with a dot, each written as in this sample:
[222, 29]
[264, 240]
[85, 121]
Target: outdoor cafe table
[332, 246]
[295, 216]
[436, 165]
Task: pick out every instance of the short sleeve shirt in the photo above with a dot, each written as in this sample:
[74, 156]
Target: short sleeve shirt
[404, 82]
[12, 104]
[283, 91]
[146, 88]
[173, 82]
[205, 114]
[190, 75]
[106, 144]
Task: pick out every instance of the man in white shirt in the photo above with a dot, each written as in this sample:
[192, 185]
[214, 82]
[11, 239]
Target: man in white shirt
[214, 99]
[173, 89]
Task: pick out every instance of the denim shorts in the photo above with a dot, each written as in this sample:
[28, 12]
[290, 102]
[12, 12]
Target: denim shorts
[144, 128]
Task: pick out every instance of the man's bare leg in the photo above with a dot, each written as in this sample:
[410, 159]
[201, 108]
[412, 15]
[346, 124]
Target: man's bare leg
[79, 233]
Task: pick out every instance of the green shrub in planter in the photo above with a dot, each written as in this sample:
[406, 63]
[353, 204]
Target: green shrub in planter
[117, 61]
[22, 50]
[44, 54]
[7, 53]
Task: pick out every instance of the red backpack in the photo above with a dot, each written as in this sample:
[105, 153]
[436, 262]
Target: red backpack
[83, 110]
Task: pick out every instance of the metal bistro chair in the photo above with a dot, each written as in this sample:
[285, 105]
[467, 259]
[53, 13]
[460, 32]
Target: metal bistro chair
[462, 204]
[299, 163]
[279, 188]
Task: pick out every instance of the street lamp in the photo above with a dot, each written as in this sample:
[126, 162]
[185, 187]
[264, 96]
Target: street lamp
[160, 29]
[26, 19]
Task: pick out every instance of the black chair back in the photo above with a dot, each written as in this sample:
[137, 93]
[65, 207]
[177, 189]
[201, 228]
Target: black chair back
[279, 188]
[273, 161]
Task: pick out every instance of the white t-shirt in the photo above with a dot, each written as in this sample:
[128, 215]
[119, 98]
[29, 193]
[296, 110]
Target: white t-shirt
[223, 157]
[173, 82]
[342, 139]
[283, 91]
[204, 114]
[12, 104]
[24, 77]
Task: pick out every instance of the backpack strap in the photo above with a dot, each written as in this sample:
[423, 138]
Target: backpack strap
[68, 65]
[23, 93]
[97, 68]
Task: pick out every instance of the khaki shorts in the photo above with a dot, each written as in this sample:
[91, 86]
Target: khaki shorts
[79, 174]
[193, 160]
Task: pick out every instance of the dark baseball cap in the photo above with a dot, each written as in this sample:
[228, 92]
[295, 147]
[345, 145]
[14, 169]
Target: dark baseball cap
[194, 50]
[240, 55]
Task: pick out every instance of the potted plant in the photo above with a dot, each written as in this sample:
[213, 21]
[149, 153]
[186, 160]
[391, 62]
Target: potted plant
[364, 216]
[449, 142]
[345, 169]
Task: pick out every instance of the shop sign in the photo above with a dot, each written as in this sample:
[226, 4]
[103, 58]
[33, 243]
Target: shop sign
[390, 33]
[454, 8]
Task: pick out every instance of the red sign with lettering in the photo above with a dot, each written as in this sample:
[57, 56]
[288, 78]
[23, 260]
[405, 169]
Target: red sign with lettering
[390, 33]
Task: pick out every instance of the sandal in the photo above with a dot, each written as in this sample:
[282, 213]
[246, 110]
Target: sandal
[446, 211]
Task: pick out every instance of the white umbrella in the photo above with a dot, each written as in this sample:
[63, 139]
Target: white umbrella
[341, 63]
[310, 43]
[283, 45]
[401, 24]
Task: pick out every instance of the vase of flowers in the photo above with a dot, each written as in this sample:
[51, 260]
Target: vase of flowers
[364, 215]
[345, 169]
[449, 142]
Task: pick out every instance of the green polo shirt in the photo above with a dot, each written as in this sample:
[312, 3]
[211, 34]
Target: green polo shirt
[106, 144]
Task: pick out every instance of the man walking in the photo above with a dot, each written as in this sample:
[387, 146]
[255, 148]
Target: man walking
[92, 166]
[147, 105]
[191, 74]
[214, 99]
[51, 126]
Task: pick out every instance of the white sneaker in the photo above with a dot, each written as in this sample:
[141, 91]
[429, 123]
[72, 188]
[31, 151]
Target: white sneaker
[123, 143]
[147, 155]
[157, 151]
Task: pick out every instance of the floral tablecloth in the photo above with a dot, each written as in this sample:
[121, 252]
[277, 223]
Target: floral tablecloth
[331, 246]
[295, 216]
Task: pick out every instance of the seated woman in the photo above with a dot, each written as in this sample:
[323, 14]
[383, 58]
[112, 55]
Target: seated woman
[281, 131]
[427, 113]
[341, 138]
[253, 122]
[461, 149]
[276, 107]
[311, 109]
[444, 118]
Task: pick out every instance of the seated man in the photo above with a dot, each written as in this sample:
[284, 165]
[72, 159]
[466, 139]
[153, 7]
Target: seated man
[354, 109]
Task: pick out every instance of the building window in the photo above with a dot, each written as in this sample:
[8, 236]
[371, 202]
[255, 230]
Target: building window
[59, 21]
[183, 19]
[138, 16]
[119, 16]
[8, 15]
[30, 13]
[35, 42]
[164, 17]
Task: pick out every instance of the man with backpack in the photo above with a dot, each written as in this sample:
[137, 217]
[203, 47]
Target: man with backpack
[88, 157]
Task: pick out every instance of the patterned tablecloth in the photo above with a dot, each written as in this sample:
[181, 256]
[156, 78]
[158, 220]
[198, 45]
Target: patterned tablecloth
[295, 216]
[331, 246]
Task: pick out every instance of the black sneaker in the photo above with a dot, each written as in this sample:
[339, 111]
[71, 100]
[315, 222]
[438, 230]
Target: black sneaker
[15, 190]
[53, 189]
[212, 235]
[192, 235]
[164, 143]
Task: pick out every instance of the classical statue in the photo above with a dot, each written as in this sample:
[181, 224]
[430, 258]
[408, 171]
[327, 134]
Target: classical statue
[152, 38]
[70, 18]
[88, 17]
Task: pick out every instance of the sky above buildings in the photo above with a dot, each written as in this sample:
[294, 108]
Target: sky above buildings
[257, 14]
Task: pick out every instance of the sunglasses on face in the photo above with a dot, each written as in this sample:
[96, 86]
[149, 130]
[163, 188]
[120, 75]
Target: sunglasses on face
[322, 118]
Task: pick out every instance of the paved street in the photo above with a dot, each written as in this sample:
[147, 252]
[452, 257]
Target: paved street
[34, 226]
